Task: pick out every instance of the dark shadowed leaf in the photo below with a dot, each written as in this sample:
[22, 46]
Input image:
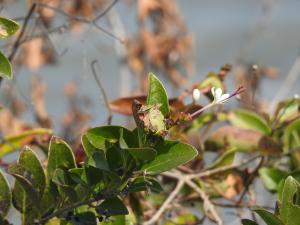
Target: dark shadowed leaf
[170, 154]
[113, 206]
[29, 160]
[5, 195]
[157, 94]
[248, 222]
[269, 218]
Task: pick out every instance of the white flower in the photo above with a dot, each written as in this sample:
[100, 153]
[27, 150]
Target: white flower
[219, 97]
[196, 94]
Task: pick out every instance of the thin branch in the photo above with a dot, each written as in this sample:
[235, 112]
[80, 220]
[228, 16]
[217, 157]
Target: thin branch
[166, 203]
[289, 81]
[106, 102]
[208, 206]
[106, 10]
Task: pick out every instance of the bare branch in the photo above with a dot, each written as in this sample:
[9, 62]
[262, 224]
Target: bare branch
[106, 102]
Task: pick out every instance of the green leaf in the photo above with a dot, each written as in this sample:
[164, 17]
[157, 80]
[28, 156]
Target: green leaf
[170, 154]
[24, 193]
[291, 136]
[211, 80]
[5, 67]
[7, 27]
[225, 159]
[112, 206]
[98, 160]
[157, 94]
[142, 153]
[248, 222]
[12, 143]
[145, 184]
[269, 218]
[115, 220]
[249, 120]
[289, 212]
[29, 160]
[62, 178]
[86, 218]
[99, 136]
[60, 156]
[5, 196]
[89, 149]
[271, 177]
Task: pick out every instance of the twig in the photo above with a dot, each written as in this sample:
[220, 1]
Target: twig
[106, 102]
[21, 34]
[166, 203]
[249, 181]
[106, 10]
[287, 84]
[208, 206]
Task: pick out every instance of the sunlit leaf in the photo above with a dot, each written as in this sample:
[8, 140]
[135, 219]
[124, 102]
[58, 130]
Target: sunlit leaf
[60, 156]
[170, 154]
[5, 67]
[7, 27]
[12, 143]
[157, 94]
[249, 120]
[271, 177]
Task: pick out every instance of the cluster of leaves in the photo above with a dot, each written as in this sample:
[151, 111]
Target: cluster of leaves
[287, 211]
[118, 162]
[7, 28]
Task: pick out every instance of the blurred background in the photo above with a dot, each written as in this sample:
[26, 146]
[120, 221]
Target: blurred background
[181, 42]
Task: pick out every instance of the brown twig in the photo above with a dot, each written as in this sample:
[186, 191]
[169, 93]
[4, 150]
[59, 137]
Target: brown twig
[106, 102]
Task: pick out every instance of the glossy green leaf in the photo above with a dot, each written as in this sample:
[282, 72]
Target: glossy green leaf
[5, 67]
[289, 212]
[271, 177]
[144, 154]
[157, 94]
[248, 222]
[12, 143]
[170, 154]
[5, 195]
[60, 156]
[291, 136]
[30, 161]
[99, 136]
[7, 27]
[112, 206]
[269, 218]
[225, 159]
[89, 149]
[249, 120]
[98, 160]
